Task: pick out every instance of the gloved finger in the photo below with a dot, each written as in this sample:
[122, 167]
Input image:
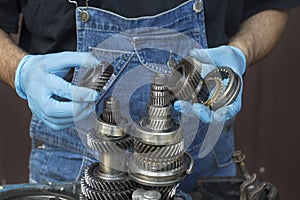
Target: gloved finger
[203, 112]
[64, 89]
[196, 110]
[235, 107]
[57, 61]
[202, 55]
[58, 109]
[185, 108]
[81, 112]
[52, 124]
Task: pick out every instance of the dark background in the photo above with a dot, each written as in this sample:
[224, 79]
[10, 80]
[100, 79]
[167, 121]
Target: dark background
[266, 128]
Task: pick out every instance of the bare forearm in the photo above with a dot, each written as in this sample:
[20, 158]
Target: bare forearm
[10, 56]
[259, 34]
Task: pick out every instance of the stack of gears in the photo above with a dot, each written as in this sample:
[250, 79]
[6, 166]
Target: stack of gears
[108, 178]
[159, 162]
[148, 161]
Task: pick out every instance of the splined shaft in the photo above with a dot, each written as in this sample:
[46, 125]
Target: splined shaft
[159, 162]
[108, 179]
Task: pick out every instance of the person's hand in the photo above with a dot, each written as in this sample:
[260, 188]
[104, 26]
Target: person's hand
[39, 78]
[220, 56]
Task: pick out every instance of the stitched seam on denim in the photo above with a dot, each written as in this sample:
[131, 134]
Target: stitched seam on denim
[44, 163]
[119, 70]
[108, 50]
[55, 141]
[80, 169]
[217, 160]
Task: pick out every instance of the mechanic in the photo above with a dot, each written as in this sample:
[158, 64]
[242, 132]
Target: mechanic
[56, 36]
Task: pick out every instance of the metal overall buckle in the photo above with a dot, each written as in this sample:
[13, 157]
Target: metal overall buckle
[84, 14]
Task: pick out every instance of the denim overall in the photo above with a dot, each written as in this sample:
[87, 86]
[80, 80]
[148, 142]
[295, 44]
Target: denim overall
[61, 155]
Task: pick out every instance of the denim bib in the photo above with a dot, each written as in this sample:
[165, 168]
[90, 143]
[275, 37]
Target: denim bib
[137, 48]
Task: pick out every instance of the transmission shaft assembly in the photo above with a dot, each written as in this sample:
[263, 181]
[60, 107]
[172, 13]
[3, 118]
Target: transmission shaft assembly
[108, 179]
[159, 162]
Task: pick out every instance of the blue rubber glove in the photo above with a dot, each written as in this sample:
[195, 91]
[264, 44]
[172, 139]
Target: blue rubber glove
[220, 56]
[39, 77]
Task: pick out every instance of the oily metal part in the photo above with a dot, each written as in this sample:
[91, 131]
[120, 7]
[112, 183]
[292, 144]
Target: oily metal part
[158, 128]
[141, 194]
[252, 188]
[185, 79]
[158, 159]
[112, 130]
[96, 77]
[160, 178]
[93, 194]
[111, 113]
[107, 145]
[159, 98]
[159, 111]
[157, 165]
[216, 93]
[229, 92]
[100, 181]
[111, 123]
[158, 152]
[167, 192]
[149, 136]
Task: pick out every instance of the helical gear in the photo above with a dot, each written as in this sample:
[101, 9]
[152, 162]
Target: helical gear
[113, 183]
[158, 165]
[93, 194]
[227, 94]
[161, 152]
[159, 159]
[185, 79]
[106, 146]
[106, 181]
[96, 77]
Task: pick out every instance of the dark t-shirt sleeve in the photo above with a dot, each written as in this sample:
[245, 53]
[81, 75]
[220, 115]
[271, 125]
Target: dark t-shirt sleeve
[9, 15]
[252, 7]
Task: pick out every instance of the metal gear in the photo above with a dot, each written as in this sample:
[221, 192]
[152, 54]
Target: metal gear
[96, 77]
[105, 145]
[158, 152]
[185, 79]
[97, 180]
[107, 180]
[159, 159]
[229, 92]
[93, 194]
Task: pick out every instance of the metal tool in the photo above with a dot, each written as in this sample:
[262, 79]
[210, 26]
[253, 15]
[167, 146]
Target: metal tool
[239, 158]
[252, 188]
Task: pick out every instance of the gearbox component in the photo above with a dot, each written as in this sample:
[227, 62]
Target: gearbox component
[141, 194]
[108, 179]
[96, 77]
[229, 91]
[186, 83]
[159, 162]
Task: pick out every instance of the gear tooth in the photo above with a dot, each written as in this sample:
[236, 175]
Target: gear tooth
[186, 92]
[93, 186]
